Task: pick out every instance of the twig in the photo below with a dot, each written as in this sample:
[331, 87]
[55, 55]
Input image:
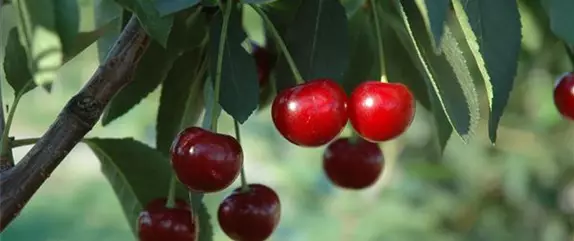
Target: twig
[77, 118]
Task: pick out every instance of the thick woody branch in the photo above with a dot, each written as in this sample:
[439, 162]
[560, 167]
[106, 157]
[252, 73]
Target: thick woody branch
[78, 117]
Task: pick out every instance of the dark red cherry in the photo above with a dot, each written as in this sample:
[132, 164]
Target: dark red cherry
[381, 111]
[159, 223]
[310, 114]
[205, 161]
[564, 95]
[263, 60]
[250, 215]
[353, 165]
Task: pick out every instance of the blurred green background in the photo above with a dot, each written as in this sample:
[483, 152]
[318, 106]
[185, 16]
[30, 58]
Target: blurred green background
[520, 189]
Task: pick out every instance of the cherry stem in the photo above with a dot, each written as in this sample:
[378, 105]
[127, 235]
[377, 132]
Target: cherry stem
[280, 42]
[219, 67]
[244, 186]
[570, 53]
[171, 193]
[23, 142]
[379, 41]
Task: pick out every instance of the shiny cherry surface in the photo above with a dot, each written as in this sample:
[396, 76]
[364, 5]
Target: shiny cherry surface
[381, 111]
[564, 95]
[310, 114]
[205, 161]
[252, 215]
[159, 223]
[351, 165]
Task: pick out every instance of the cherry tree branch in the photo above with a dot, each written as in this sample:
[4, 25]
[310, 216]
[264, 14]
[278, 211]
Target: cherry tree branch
[76, 119]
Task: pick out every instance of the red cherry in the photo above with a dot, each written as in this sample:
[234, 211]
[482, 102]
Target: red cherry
[250, 215]
[564, 95]
[205, 161]
[263, 62]
[158, 223]
[381, 111]
[310, 114]
[353, 165]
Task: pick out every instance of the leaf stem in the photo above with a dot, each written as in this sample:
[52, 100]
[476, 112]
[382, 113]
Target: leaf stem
[298, 78]
[244, 186]
[377, 19]
[219, 67]
[171, 193]
[23, 142]
[5, 150]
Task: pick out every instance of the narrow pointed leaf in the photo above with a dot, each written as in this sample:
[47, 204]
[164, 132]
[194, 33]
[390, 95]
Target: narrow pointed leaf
[137, 173]
[67, 21]
[15, 66]
[318, 40]
[181, 101]
[493, 31]
[456, 91]
[434, 13]
[239, 87]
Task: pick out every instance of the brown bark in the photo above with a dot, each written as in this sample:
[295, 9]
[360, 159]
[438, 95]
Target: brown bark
[77, 118]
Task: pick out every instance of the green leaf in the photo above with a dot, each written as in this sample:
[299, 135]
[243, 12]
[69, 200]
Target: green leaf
[561, 18]
[166, 7]
[137, 173]
[150, 72]
[85, 39]
[181, 100]
[352, 6]
[434, 13]
[156, 26]
[257, 1]
[107, 12]
[406, 67]
[16, 68]
[495, 41]
[239, 87]
[67, 19]
[362, 46]
[155, 65]
[447, 73]
[318, 40]
[37, 29]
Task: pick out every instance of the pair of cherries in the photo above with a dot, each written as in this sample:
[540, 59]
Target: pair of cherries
[209, 162]
[314, 113]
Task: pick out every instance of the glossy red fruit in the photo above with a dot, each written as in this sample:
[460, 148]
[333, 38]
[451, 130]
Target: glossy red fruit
[353, 165]
[159, 223]
[381, 111]
[564, 95]
[310, 114]
[263, 61]
[205, 161]
[250, 216]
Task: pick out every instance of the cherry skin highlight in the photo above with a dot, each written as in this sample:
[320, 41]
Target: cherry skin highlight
[250, 215]
[564, 95]
[381, 111]
[310, 114]
[351, 165]
[205, 161]
[159, 223]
